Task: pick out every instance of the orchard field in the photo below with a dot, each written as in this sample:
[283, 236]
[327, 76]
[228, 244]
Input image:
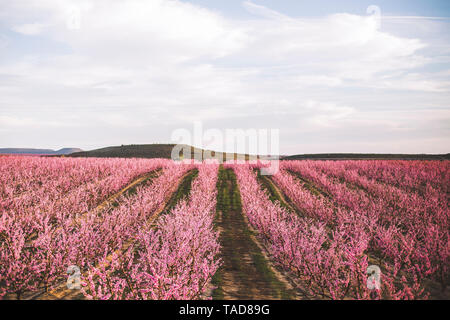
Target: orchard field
[91, 228]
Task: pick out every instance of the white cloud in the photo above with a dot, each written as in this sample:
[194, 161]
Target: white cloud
[3, 41]
[149, 63]
[263, 11]
[27, 122]
[29, 28]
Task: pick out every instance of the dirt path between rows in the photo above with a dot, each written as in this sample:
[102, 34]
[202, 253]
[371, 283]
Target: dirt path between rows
[246, 272]
[276, 193]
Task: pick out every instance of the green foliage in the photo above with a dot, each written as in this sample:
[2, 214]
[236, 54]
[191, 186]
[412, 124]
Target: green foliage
[273, 193]
[183, 190]
[237, 243]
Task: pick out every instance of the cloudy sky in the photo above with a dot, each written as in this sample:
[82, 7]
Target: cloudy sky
[332, 76]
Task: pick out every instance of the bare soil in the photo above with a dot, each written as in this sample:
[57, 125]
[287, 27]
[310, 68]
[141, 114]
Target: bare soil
[246, 272]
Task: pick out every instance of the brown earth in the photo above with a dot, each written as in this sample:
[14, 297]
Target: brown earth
[246, 272]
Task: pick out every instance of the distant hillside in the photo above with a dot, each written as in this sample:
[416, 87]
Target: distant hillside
[129, 151]
[63, 151]
[165, 151]
[367, 156]
[146, 151]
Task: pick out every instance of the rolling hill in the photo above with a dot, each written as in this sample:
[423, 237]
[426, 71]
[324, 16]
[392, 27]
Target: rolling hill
[165, 151]
[63, 151]
[150, 151]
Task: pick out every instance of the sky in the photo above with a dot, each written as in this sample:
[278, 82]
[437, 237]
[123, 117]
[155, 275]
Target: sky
[331, 76]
